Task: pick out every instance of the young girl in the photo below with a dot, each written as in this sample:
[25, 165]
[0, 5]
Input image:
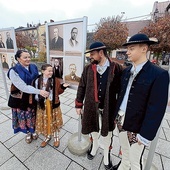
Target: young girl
[49, 116]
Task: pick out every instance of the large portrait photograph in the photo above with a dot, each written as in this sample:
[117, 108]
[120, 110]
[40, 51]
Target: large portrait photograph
[72, 70]
[2, 42]
[73, 38]
[56, 41]
[9, 41]
[4, 61]
[57, 64]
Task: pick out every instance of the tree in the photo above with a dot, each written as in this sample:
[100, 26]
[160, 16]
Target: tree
[160, 30]
[111, 32]
[22, 40]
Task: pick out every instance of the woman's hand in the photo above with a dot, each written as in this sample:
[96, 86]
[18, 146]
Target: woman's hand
[44, 93]
[66, 84]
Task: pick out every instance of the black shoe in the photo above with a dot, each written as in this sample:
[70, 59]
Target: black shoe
[116, 166]
[89, 155]
[109, 166]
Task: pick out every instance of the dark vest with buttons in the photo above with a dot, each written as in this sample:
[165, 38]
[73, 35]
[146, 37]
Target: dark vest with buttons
[102, 82]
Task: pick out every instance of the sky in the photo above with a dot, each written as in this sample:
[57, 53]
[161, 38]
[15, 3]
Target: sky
[15, 13]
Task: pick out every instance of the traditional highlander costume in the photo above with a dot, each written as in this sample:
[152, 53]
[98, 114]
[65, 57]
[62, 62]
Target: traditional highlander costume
[98, 88]
[49, 117]
[141, 104]
[23, 117]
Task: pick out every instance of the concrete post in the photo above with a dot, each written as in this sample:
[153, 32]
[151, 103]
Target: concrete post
[152, 148]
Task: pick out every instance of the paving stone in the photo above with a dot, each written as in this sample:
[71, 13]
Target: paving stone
[7, 112]
[47, 158]
[72, 96]
[163, 148]
[167, 116]
[65, 94]
[169, 122]
[65, 118]
[65, 108]
[167, 133]
[74, 166]
[71, 126]
[4, 155]
[3, 118]
[162, 134]
[72, 91]
[15, 139]
[2, 100]
[166, 163]
[72, 104]
[168, 110]
[165, 124]
[72, 113]
[6, 131]
[63, 99]
[68, 102]
[23, 151]
[82, 160]
[13, 163]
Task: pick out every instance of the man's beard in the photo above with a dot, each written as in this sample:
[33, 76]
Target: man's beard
[94, 61]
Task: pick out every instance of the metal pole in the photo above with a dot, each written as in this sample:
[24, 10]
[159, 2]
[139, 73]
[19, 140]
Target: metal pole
[152, 151]
[4, 80]
[79, 129]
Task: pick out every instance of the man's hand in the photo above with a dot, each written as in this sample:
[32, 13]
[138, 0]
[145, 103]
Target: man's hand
[79, 111]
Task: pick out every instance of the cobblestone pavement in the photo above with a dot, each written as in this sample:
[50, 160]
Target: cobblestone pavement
[16, 154]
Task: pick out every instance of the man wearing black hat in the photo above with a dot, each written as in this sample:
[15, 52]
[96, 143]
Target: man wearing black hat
[141, 104]
[97, 91]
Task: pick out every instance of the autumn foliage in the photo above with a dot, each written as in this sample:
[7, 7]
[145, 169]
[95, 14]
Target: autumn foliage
[160, 30]
[22, 40]
[111, 32]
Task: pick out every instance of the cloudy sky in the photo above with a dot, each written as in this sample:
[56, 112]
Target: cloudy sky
[15, 13]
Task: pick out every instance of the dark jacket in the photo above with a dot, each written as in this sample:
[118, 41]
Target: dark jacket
[9, 44]
[147, 100]
[88, 94]
[57, 45]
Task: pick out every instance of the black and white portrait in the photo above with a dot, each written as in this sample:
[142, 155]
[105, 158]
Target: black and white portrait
[2, 45]
[73, 37]
[57, 64]
[56, 43]
[9, 41]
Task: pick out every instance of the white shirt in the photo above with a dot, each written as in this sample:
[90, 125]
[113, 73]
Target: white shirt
[134, 71]
[102, 69]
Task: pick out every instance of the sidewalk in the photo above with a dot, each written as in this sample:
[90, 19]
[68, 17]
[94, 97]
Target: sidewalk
[16, 154]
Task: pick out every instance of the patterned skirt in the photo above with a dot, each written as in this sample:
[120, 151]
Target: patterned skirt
[48, 122]
[23, 121]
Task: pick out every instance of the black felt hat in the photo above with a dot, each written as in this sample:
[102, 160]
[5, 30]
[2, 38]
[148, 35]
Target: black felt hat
[141, 39]
[96, 46]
